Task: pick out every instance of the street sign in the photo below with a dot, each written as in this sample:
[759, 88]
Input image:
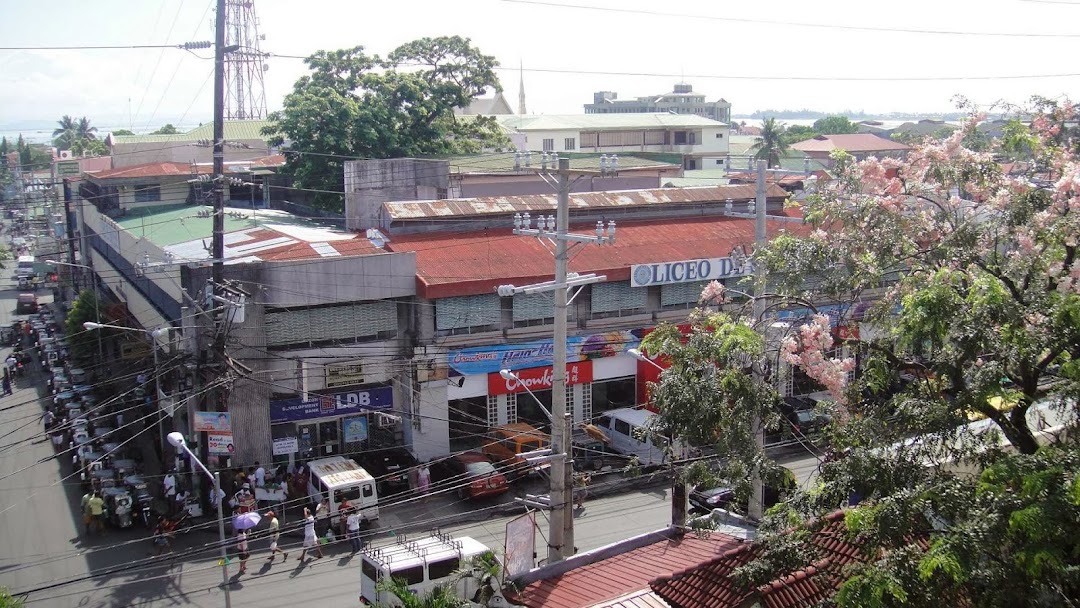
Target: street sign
[68, 168]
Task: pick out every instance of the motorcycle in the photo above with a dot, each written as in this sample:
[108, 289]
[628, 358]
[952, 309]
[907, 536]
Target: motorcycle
[142, 499]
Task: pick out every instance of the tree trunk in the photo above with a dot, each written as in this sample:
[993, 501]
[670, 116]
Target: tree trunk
[1017, 431]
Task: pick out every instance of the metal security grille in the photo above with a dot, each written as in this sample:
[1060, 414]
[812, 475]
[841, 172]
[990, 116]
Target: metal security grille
[570, 399]
[528, 307]
[675, 294]
[586, 402]
[493, 410]
[617, 296]
[511, 408]
[332, 323]
[467, 311]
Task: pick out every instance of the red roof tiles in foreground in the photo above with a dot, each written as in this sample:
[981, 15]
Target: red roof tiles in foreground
[709, 585]
[613, 578]
[468, 263]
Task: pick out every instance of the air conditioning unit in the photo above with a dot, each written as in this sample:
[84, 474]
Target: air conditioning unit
[66, 155]
[387, 420]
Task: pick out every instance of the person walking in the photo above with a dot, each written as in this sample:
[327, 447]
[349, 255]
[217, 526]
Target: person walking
[7, 385]
[161, 536]
[242, 548]
[275, 537]
[168, 486]
[311, 541]
[86, 510]
[322, 517]
[97, 512]
[581, 489]
[180, 502]
[352, 530]
[423, 480]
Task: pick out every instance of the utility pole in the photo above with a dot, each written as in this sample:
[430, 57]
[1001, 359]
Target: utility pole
[561, 498]
[218, 246]
[69, 222]
[755, 509]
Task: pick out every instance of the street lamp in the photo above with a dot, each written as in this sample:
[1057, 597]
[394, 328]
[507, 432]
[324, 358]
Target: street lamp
[177, 441]
[640, 356]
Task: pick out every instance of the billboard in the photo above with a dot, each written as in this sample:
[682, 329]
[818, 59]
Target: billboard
[491, 359]
[336, 404]
[213, 422]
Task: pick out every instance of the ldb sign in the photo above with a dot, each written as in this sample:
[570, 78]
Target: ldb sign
[686, 271]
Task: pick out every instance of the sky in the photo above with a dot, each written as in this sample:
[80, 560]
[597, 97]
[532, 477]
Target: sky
[757, 55]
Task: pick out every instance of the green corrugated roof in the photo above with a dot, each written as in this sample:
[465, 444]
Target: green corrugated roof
[235, 130]
[166, 225]
[502, 163]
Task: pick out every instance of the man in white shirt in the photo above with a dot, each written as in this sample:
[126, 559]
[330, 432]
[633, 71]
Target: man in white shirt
[169, 487]
[180, 501]
[353, 529]
[260, 475]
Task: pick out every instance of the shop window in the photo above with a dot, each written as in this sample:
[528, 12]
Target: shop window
[493, 410]
[678, 296]
[617, 299]
[529, 411]
[586, 402]
[511, 409]
[612, 394]
[468, 421]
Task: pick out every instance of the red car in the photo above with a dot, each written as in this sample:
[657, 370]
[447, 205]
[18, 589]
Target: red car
[471, 474]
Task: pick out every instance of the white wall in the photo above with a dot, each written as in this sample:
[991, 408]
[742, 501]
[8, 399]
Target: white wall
[534, 140]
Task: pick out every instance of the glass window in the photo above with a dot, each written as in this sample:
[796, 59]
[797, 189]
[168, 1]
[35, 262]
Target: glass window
[443, 568]
[368, 490]
[622, 427]
[614, 393]
[480, 468]
[411, 576]
[369, 570]
[147, 194]
[549, 145]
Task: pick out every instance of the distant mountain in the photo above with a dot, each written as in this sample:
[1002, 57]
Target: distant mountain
[853, 115]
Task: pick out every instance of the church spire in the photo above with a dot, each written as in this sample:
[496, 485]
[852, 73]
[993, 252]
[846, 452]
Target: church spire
[521, 90]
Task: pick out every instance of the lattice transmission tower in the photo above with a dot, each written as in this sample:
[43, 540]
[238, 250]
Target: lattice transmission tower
[245, 95]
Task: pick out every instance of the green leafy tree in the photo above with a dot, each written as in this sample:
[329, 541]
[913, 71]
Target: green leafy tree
[168, 129]
[835, 125]
[796, 133]
[442, 596]
[975, 285]
[5, 147]
[770, 145]
[89, 147]
[83, 129]
[124, 132]
[23, 149]
[66, 132]
[87, 307]
[357, 105]
[9, 601]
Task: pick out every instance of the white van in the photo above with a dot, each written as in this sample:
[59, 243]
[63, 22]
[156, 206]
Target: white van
[624, 426]
[424, 564]
[25, 267]
[340, 479]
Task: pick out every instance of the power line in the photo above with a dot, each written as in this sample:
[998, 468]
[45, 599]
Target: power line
[830, 26]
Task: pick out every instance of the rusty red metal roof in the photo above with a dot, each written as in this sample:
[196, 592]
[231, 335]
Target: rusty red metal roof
[710, 584]
[492, 205]
[170, 169]
[851, 142]
[468, 263]
[615, 578]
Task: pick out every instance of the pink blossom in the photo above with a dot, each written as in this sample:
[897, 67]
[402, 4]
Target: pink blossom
[808, 353]
[713, 293]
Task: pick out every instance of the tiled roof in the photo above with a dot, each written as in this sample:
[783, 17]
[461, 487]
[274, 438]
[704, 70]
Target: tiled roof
[602, 582]
[234, 130]
[852, 142]
[709, 584]
[168, 169]
[502, 163]
[456, 264]
[495, 205]
[599, 122]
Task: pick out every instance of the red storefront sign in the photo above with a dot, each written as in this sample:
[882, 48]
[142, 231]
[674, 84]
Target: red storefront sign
[538, 378]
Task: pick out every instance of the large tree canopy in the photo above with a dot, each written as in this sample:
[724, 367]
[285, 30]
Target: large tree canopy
[355, 105]
[965, 281]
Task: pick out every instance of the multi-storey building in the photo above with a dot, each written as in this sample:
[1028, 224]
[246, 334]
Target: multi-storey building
[682, 100]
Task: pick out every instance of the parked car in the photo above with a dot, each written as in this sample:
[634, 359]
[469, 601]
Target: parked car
[706, 498]
[389, 466]
[512, 440]
[471, 474]
[26, 304]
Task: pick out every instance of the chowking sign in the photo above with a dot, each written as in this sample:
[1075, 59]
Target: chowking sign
[686, 271]
[538, 379]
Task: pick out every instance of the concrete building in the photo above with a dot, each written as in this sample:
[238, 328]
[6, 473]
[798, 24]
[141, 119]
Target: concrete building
[244, 138]
[681, 100]
[318, 340]
[702, 142]
[859, 145]
[370, 183]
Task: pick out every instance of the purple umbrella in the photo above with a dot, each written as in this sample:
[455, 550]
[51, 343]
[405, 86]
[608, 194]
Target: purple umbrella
[246, 521]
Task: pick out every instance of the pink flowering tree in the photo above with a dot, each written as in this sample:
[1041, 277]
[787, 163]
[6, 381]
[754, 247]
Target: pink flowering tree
[962, 264]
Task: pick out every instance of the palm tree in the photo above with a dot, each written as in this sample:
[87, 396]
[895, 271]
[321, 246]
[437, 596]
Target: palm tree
[84, 130]
[66, 134]
[770, 146]
[442, 596]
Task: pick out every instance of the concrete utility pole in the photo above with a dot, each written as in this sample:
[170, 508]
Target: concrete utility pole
[757, 494]
[561, 498]
[218, 246]
[69, 223]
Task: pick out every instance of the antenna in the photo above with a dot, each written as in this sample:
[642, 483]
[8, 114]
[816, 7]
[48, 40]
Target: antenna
[245, 93]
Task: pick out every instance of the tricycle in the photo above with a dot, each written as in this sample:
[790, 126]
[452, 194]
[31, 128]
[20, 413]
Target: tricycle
[142, 499]
[117, 506]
